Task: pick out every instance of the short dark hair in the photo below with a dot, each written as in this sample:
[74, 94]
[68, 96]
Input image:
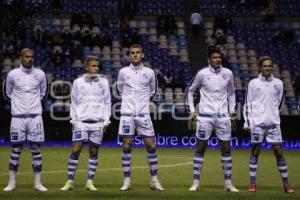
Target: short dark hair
[136, 46]
[214, 50]
[264, 58]
[89, 59]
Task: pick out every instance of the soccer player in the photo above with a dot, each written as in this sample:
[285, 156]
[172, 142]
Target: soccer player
[263, 103]
[90, 112]
[136, 84]
[25, 87]
[216, 107]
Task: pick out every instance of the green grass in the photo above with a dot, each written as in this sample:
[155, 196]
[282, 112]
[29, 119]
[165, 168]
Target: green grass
[175, 173]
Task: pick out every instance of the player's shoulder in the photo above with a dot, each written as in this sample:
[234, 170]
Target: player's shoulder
[125, 68]
[225, 70]
[148, 70]
[78, 80]
[203, 70]
[38, 71]
[254, 80]
[13, 72]
[277, 80]
[103, 78]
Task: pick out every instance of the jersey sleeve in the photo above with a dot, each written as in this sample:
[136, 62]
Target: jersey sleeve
[153, 85]
[231, 95]
[8, 85]
[73, 111]
[247, 109]
[120, 82]
[194, 84]
[107, 102]
[280, 97]
[44, 87]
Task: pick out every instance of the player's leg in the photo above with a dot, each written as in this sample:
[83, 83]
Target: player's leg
[13, 166]
[72, 165]
[152, 161]
[92, 166]
[126, 132]
[198, 162]
[37, 166]
[275, 138]
[126, 162]
[203, 133]
[253, 164]
[145, 129]
[226, 161]
[17, 137]
[223, 132]
[36, 135]
[282, 167]
[95, 139]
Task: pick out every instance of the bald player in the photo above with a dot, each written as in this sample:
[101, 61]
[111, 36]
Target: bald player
[26, 87]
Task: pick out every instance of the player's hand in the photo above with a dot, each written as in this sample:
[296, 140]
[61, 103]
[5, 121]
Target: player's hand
[73, 127]
[232, 115]
[194, 115]
[104, 128]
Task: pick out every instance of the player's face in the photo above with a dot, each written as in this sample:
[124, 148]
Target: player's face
[136, 55]
[93, 67]
[267, 68]
[27, 59]
[215, 60]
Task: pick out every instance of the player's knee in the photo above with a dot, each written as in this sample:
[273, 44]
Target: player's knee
[127, 148]
[93, 153]
[151, 149]
[17, 147]
[225, 150]
[278, 151]
[200, 149]
[35, 146]
[75, 154]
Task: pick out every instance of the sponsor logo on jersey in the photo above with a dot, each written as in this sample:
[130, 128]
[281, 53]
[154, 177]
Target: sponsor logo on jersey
[145, 76]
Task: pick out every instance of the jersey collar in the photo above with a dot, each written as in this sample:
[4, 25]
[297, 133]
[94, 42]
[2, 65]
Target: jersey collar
[87, 79]
[264, 78]
[215, 70]
[25, 69]
[138, 67]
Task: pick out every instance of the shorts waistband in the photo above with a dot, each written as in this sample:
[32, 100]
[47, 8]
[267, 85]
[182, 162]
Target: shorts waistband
[268, 126]
[134, 115]
[25, 116]
[212, 115]
[92, 121]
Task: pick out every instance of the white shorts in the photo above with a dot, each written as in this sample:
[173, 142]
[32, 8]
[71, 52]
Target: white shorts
[27, 128]
[84, 132]
[272, 133]
[221, 126]
[142, 124]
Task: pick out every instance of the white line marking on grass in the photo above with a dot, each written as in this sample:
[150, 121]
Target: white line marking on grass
[108, 169]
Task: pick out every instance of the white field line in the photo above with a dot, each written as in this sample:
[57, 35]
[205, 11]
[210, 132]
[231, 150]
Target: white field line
[109, 169]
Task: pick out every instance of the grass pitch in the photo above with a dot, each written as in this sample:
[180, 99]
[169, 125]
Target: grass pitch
[175, 174]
